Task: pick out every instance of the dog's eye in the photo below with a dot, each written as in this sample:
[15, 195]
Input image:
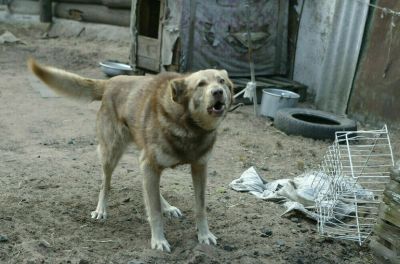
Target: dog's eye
[202, 83]
[222, 81]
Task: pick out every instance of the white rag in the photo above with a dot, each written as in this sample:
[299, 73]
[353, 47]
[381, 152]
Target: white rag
[297, 194]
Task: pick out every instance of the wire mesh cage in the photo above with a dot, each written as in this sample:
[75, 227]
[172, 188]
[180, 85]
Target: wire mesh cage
[352, 178]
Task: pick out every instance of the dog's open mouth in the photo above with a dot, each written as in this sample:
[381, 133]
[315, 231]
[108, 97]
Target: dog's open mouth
[217, 109]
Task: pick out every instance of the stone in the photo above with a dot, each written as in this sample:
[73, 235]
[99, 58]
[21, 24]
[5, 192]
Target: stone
[280, 243]
[229, 248]
[295, 220]
[266, 232]
[303, 230]
[44, 244]
[3, 238]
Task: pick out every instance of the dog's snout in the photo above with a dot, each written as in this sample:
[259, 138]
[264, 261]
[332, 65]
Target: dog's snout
[217, 93]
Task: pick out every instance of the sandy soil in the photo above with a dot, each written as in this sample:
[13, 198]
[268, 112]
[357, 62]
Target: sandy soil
[50, 177]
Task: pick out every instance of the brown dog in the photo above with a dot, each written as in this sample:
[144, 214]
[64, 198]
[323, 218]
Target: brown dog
[172, 118]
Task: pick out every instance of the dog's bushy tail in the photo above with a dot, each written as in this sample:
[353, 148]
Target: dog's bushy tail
[67, 83]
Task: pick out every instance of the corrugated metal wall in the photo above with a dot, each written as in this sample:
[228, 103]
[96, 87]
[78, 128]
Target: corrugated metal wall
[328, 47]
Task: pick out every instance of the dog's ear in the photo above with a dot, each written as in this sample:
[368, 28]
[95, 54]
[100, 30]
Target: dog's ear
[178, 90]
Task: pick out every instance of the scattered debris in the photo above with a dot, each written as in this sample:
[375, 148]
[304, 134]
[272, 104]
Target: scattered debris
[101, 241]
[295, 194]
[43, 243]
[213, 173]
[266, 232]
[136, 261]
[229, 248]
[46, 35]
[280, 243]
[8, 37]
[303, 230]
[294, 219]
[203, 253]
[3, 238]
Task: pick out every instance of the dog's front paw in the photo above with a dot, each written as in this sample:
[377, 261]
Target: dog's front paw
[207, 238]
[160, 244]
[172, 211]
[99, 214]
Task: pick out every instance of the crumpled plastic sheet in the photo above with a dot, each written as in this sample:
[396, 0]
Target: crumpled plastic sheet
[298, 194]
[249, 90]
[8, 37]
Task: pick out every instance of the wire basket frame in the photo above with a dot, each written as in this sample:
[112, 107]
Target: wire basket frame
[353, 175]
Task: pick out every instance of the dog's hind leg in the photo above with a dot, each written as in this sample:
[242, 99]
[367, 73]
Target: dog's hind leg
[110, 156]
[169, 210]
[112, 144]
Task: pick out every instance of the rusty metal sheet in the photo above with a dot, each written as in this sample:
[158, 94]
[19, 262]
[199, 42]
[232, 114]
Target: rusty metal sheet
[376, 91]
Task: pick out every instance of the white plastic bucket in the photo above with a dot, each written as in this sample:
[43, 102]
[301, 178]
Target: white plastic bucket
[275, 99]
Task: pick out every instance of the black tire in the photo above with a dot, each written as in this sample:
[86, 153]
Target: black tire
[312, 123]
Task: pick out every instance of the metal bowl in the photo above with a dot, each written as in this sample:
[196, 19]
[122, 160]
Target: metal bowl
[112, 68]
[274, 99]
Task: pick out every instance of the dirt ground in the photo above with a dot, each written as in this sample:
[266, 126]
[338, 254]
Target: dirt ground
[50, 177]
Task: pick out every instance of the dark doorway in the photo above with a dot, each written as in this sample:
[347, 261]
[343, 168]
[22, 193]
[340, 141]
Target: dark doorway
[149, 18]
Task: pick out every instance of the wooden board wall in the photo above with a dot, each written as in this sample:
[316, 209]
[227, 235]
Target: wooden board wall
[375, 95]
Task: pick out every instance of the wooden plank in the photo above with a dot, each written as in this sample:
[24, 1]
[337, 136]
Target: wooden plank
[148, 63]
[390, 233]
[93, 13]
[134, 36]
[80, 1]
[395, 174]
[24, 7]
[274, 82]
[390, 212]
[148, 47]
[46, 13]
[148, 53]
[126, 4]
[392, 192]
[373, 97]
[382, 254]
[145, 51]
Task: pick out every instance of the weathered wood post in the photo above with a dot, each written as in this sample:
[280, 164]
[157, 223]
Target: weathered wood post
[134, 33]
[385, 245]
[45, 11]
